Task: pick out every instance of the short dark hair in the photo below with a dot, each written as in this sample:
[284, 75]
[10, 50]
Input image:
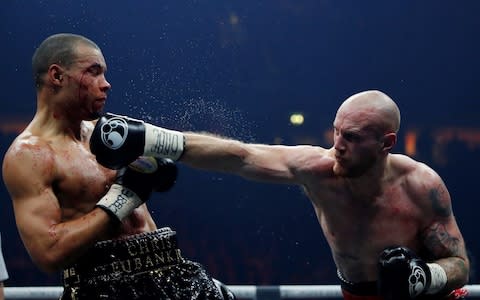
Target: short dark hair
[56, 49]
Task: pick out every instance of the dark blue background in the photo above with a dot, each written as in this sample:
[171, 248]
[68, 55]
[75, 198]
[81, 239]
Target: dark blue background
[239, 69]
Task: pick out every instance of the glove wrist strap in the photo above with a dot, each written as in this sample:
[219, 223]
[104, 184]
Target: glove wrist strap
[439, 278]
[163, 143]
[120, 201]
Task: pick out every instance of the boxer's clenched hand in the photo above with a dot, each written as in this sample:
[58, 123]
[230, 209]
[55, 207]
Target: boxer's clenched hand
[135, 183]
[403, 275]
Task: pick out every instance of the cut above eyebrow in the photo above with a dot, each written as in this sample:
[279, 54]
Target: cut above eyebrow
[97, 67]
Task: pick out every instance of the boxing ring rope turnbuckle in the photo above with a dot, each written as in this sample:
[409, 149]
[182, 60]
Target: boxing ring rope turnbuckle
[255, 292]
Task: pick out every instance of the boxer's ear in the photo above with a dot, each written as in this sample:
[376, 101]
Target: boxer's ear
[55, 75]
[388, 141]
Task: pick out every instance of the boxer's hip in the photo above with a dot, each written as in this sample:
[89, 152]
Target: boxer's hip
[142, 266]
[136, 254]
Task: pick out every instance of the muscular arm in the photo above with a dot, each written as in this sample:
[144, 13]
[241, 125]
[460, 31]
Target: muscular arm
[29, 173]
[272, 163]
[442, 237]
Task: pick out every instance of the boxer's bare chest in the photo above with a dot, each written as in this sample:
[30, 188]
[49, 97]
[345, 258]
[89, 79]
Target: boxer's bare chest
[358, 225]
[353, 218]
[81, 181]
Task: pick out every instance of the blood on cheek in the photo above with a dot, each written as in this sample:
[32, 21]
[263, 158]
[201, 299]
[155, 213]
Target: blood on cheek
[82, 86]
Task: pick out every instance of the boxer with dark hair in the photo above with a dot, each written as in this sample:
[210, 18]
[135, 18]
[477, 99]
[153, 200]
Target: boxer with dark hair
[76, 215]
[388, 219]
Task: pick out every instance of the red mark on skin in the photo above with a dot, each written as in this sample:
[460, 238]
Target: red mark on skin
[56, 116]
[52, 232]
[82, 85]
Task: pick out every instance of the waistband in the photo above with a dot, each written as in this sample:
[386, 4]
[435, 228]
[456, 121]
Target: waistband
[365, 288]
[368, 290]
[112, 259]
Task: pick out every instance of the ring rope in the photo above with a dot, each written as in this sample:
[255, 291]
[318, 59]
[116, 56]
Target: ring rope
[241, 291]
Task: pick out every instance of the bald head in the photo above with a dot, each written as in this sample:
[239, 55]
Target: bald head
[374, 108]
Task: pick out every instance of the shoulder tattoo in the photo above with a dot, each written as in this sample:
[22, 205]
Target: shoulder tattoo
[440, 200]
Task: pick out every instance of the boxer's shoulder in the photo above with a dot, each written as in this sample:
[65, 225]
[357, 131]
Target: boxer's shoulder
[28, 160]
[28, 146]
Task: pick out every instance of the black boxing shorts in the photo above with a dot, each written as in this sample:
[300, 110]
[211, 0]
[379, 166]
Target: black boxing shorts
[142, 266]
[368, 291]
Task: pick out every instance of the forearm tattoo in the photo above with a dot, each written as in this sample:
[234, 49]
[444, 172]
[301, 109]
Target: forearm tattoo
[440, 242]
[437, 239]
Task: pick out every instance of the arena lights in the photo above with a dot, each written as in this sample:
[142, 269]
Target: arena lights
[296, 119]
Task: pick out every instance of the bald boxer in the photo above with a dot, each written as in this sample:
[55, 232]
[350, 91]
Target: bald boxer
[77, 216]
[388, 219]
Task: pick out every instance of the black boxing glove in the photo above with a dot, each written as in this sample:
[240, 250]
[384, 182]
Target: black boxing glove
[403, 275]
[163, 172]
[117, 141]
[135, 183]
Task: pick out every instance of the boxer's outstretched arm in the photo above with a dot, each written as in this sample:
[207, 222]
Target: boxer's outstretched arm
[29, 174]
[272, 163]
[118, 140]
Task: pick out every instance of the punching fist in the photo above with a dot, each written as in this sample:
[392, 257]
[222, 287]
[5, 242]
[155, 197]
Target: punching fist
[403, 275]
[135, 183]
[117, 141]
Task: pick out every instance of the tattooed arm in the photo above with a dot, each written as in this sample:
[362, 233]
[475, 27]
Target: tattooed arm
[441, 237]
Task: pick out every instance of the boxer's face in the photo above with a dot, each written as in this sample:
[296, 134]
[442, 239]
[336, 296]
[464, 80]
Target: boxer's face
[357, 147]
[88, 86]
